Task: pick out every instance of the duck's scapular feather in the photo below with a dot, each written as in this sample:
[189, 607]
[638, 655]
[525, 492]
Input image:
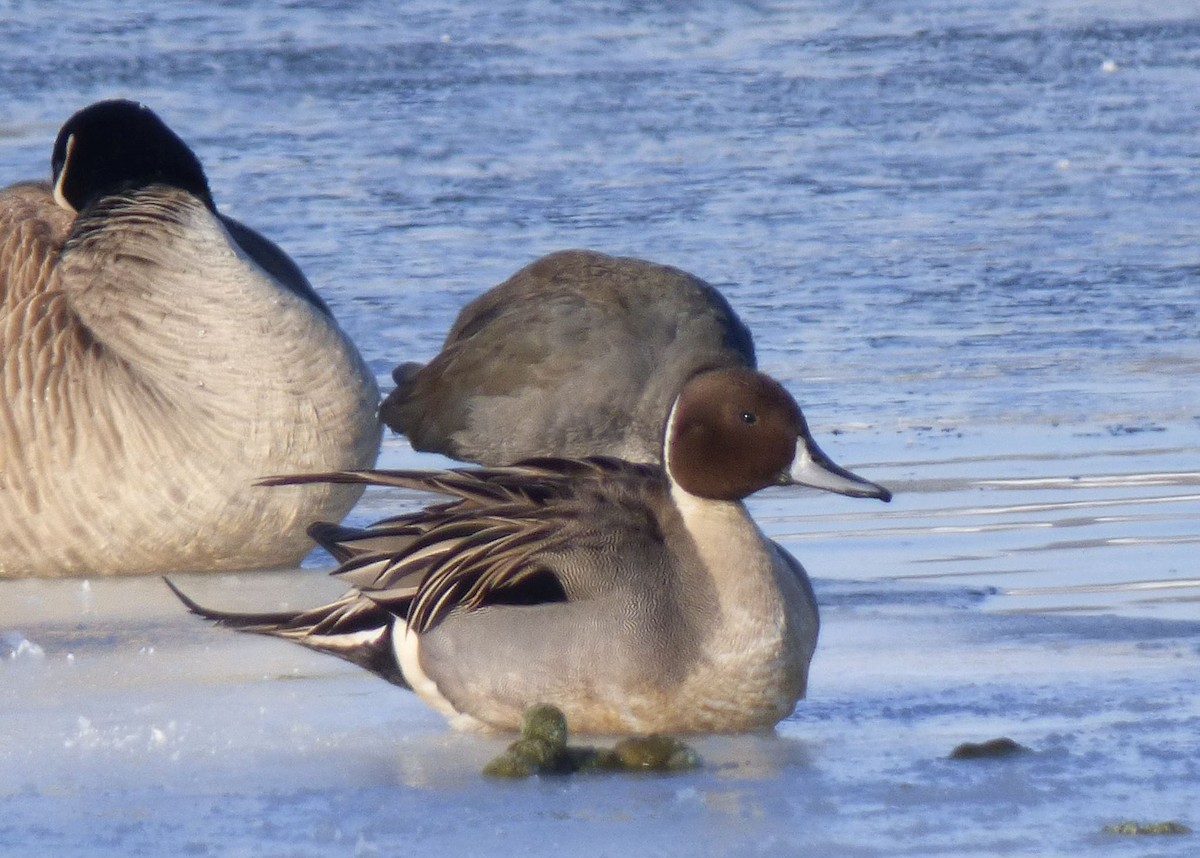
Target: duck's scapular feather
[469, 552]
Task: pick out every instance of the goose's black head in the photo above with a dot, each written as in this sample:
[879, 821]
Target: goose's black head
[118, 145]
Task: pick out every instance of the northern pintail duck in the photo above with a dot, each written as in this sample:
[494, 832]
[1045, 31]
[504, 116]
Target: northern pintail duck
[158, 358]
[635, 598]
[577, 354]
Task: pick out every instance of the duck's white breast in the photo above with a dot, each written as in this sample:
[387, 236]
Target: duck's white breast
[755, 660]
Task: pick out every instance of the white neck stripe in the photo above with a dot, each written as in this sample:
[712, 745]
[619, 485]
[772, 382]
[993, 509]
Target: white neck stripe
[62, 176]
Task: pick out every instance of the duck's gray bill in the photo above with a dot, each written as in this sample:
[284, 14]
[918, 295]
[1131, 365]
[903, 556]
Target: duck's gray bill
[813, 468]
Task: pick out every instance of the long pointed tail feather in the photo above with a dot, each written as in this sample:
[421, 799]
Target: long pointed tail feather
[353, 628]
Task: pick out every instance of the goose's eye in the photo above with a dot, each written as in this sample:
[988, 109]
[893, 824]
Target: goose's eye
[749, 418]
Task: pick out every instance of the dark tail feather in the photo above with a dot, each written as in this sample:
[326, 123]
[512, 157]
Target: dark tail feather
[395, 410]
[264, 623]
[352, 628]
[333, 538]
[404, 373]
[381, 540]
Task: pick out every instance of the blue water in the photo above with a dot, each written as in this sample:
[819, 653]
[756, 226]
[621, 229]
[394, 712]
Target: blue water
[959, 205]
[964, 236]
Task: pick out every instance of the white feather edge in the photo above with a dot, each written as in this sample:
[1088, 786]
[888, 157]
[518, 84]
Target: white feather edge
[406, 645]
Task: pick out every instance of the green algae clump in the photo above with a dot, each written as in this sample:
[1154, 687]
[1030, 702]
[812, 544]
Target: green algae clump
[545, 722]
[993, 749]
[656, 754]
[542, 750]
[510, 765]
[1131, 827]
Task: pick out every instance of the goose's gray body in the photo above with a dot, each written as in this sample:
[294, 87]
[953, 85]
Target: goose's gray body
[159, 358]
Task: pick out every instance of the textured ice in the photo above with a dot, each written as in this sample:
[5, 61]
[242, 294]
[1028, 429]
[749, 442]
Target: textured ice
[14, 645]
[142, 729]
[964, 236]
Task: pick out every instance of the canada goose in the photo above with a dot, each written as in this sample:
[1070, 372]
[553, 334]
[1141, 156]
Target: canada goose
[159, 357]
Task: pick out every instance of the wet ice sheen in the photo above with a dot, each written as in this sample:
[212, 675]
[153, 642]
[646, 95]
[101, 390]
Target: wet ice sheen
[963, 233]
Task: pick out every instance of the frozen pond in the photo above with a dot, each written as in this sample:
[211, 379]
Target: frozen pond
[964, 235]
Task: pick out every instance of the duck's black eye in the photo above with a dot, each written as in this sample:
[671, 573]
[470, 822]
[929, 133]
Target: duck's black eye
[749, 418]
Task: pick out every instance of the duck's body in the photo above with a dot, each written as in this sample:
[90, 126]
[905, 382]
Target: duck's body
[577, 354]
[637, 599]
[158, 359]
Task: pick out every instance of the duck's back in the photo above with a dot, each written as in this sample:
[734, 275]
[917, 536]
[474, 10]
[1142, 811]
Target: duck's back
[577, 354]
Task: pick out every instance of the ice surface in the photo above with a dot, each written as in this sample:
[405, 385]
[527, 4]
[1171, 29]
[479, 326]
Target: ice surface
[142, 730]
[964, 235]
